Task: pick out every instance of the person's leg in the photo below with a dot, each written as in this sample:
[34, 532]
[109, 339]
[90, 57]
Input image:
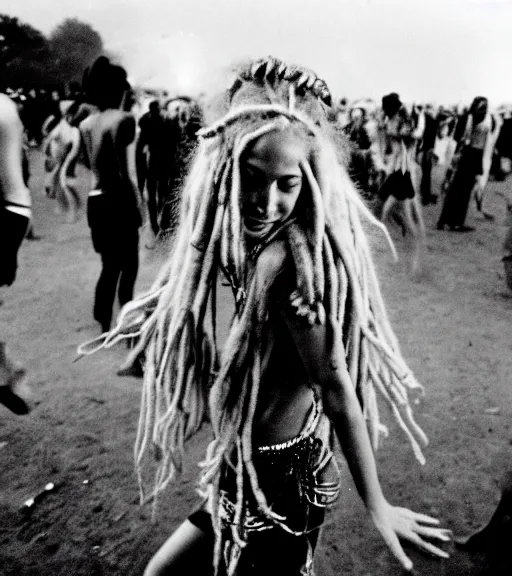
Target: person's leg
[128, 255]
[151, 187]
[106, 288]
[467, 183]
[11, 377]
[391, 213]
[414, 226]
[189, 550]
[454, 198]
[389, 205]
[426, 178]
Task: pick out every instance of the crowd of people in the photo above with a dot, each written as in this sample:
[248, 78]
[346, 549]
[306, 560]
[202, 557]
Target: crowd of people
[267, 187]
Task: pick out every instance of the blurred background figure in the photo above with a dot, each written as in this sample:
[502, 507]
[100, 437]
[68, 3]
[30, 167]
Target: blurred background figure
[152, 162]
[400, 133]
[113, 212]
[15, 214]
[478, 127]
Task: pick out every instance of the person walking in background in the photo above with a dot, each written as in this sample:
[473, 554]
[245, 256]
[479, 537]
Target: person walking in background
[478, 127]
[426, 155]
[152, 162]
[401, 132]
[113, 203]
[15, 215]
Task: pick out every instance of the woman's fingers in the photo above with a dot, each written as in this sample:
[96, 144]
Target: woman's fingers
[427, 546]
[438, 533]
[406, 513]
[396, 548]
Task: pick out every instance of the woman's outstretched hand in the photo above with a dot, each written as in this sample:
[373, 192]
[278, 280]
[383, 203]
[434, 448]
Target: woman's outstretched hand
[394, 523]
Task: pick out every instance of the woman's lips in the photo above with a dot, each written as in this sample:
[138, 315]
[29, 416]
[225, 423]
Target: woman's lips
[255, 226]
[255, 222]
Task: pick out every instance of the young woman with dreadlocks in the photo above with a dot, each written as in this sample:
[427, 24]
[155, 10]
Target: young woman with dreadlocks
[269, 205]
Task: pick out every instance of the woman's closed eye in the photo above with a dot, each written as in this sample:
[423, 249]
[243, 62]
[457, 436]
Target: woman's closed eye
[289, 183]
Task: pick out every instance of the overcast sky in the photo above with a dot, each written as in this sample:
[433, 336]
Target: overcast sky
[439, 50]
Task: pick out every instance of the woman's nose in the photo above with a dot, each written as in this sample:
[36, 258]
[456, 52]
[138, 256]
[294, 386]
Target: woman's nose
[265, 201]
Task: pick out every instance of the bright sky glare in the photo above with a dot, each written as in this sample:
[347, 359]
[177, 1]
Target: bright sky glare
[426, 50]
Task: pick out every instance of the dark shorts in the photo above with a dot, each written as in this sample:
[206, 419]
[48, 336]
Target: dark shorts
[111, 227]
[300, 479]
[398, 185]
[13, 228]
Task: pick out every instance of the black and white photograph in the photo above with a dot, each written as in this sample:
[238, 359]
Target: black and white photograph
[256, 287]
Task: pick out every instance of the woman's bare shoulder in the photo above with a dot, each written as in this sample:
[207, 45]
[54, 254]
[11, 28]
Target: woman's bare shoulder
[269, 265]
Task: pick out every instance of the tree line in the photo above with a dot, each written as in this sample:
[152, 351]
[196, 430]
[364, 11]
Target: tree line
[29, 59]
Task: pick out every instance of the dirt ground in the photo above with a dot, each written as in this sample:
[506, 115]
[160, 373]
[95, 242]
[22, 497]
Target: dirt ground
[455, 326]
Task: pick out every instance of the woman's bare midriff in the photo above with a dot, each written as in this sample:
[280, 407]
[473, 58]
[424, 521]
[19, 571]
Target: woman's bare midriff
[285, 398]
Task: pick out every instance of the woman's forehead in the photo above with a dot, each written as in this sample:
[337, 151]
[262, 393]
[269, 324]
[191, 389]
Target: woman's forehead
[279, 149]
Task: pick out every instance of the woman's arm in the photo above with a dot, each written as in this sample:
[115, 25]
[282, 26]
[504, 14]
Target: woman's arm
[324, 360]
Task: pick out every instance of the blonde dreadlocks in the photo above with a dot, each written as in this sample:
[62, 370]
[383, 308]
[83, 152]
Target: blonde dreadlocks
[335, 278]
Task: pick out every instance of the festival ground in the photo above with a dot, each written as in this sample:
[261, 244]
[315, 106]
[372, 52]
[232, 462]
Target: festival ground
[455, 326]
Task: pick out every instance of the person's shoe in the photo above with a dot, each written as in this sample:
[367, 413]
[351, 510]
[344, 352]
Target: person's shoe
[31, 235]
[10, 399]
[134, 369]
[105, 326]
[462, 229]
[11, 378]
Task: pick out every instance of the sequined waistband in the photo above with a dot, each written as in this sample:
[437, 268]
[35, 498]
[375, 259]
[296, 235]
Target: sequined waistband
[310, 426]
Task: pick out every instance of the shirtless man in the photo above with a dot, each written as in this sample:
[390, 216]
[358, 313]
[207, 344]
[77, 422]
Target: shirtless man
[113, 204]
[15, 214]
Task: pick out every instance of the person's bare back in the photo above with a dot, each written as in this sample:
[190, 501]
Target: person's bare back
[106, 136]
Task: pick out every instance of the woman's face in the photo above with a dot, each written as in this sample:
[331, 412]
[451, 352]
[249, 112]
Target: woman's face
[271, 180]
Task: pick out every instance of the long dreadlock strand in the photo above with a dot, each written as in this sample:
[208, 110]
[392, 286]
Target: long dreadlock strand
[343, 286]
[202, 227]
[303, 261]
[143, 429]
[239, 494]
[396, 412]
[331, 279]
[247, 442]
[259, 110]
[170, 421]
[235, 220]
[318, 230]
